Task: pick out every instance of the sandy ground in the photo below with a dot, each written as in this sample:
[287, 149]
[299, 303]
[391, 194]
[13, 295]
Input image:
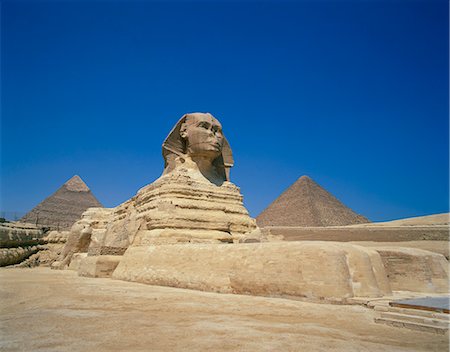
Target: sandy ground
[45, 310]
[428, 220]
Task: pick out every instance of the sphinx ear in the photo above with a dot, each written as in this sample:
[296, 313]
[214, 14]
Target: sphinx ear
[183, 131]
[183, 134]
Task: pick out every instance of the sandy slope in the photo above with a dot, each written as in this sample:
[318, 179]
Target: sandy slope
[429, 220]
[44, 310]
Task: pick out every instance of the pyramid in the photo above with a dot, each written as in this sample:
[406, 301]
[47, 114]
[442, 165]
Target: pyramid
[64, 207]
[305, 203]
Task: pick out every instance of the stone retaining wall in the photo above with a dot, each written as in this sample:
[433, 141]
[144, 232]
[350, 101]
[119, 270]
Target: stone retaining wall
[16, 231]
[348, 233]
[11, 256]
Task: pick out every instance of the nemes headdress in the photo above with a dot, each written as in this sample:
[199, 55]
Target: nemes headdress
[175, 146]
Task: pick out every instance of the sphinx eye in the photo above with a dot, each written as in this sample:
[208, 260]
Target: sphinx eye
[203, 125]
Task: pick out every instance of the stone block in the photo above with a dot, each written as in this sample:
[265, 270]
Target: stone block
[98, 266]
[417, 270]
[76, 261]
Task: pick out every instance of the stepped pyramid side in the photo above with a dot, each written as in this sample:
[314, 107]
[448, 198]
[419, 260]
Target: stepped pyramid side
[64, 207]
[305, 203]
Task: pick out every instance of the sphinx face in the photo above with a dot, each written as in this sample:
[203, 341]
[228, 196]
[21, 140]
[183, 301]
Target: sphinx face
[203, 134]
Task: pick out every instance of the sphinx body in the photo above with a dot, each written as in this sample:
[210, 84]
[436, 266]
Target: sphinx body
[182, 206]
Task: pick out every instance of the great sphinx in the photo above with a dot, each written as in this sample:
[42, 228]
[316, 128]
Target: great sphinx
[193, 201]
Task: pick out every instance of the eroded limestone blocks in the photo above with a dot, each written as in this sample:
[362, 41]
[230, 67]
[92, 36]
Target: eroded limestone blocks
[75, 262]
[115, 232]
[86, 232]
[18, 231]
[57, 236]
[98, 266]
[12, 256]
[180, 207]
[417, 270]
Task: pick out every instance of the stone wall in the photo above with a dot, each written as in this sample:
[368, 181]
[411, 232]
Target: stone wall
[355, 233]
[30, 250]
[17, 231]
[12, 256]
[415, 270]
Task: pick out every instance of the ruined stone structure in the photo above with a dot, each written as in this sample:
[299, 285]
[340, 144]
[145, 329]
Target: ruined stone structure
[64, 207]
[412, 269]
[17, 231]
[85, 232]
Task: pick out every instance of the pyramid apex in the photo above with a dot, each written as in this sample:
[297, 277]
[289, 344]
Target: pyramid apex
[76, 184]
[305, 178]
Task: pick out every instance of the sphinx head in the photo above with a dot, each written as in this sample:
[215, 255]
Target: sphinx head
[203, 136]
[199, 136]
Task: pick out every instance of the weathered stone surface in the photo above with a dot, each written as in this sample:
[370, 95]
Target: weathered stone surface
[28, 246]
[19, 231]
[440, 247]
[57, 236]
[46, 256]
[312, 270]
[181, 206]
[305, 203]
[76, 261]
[84, 233]
[64, 207]
[11, 256]
[360, 233]
[98, 266]
[416, 270]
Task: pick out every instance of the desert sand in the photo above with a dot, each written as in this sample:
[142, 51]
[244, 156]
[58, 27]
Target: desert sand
[428, 220]
[44, 310]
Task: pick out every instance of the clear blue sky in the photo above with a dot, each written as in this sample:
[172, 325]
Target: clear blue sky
[352, 93]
